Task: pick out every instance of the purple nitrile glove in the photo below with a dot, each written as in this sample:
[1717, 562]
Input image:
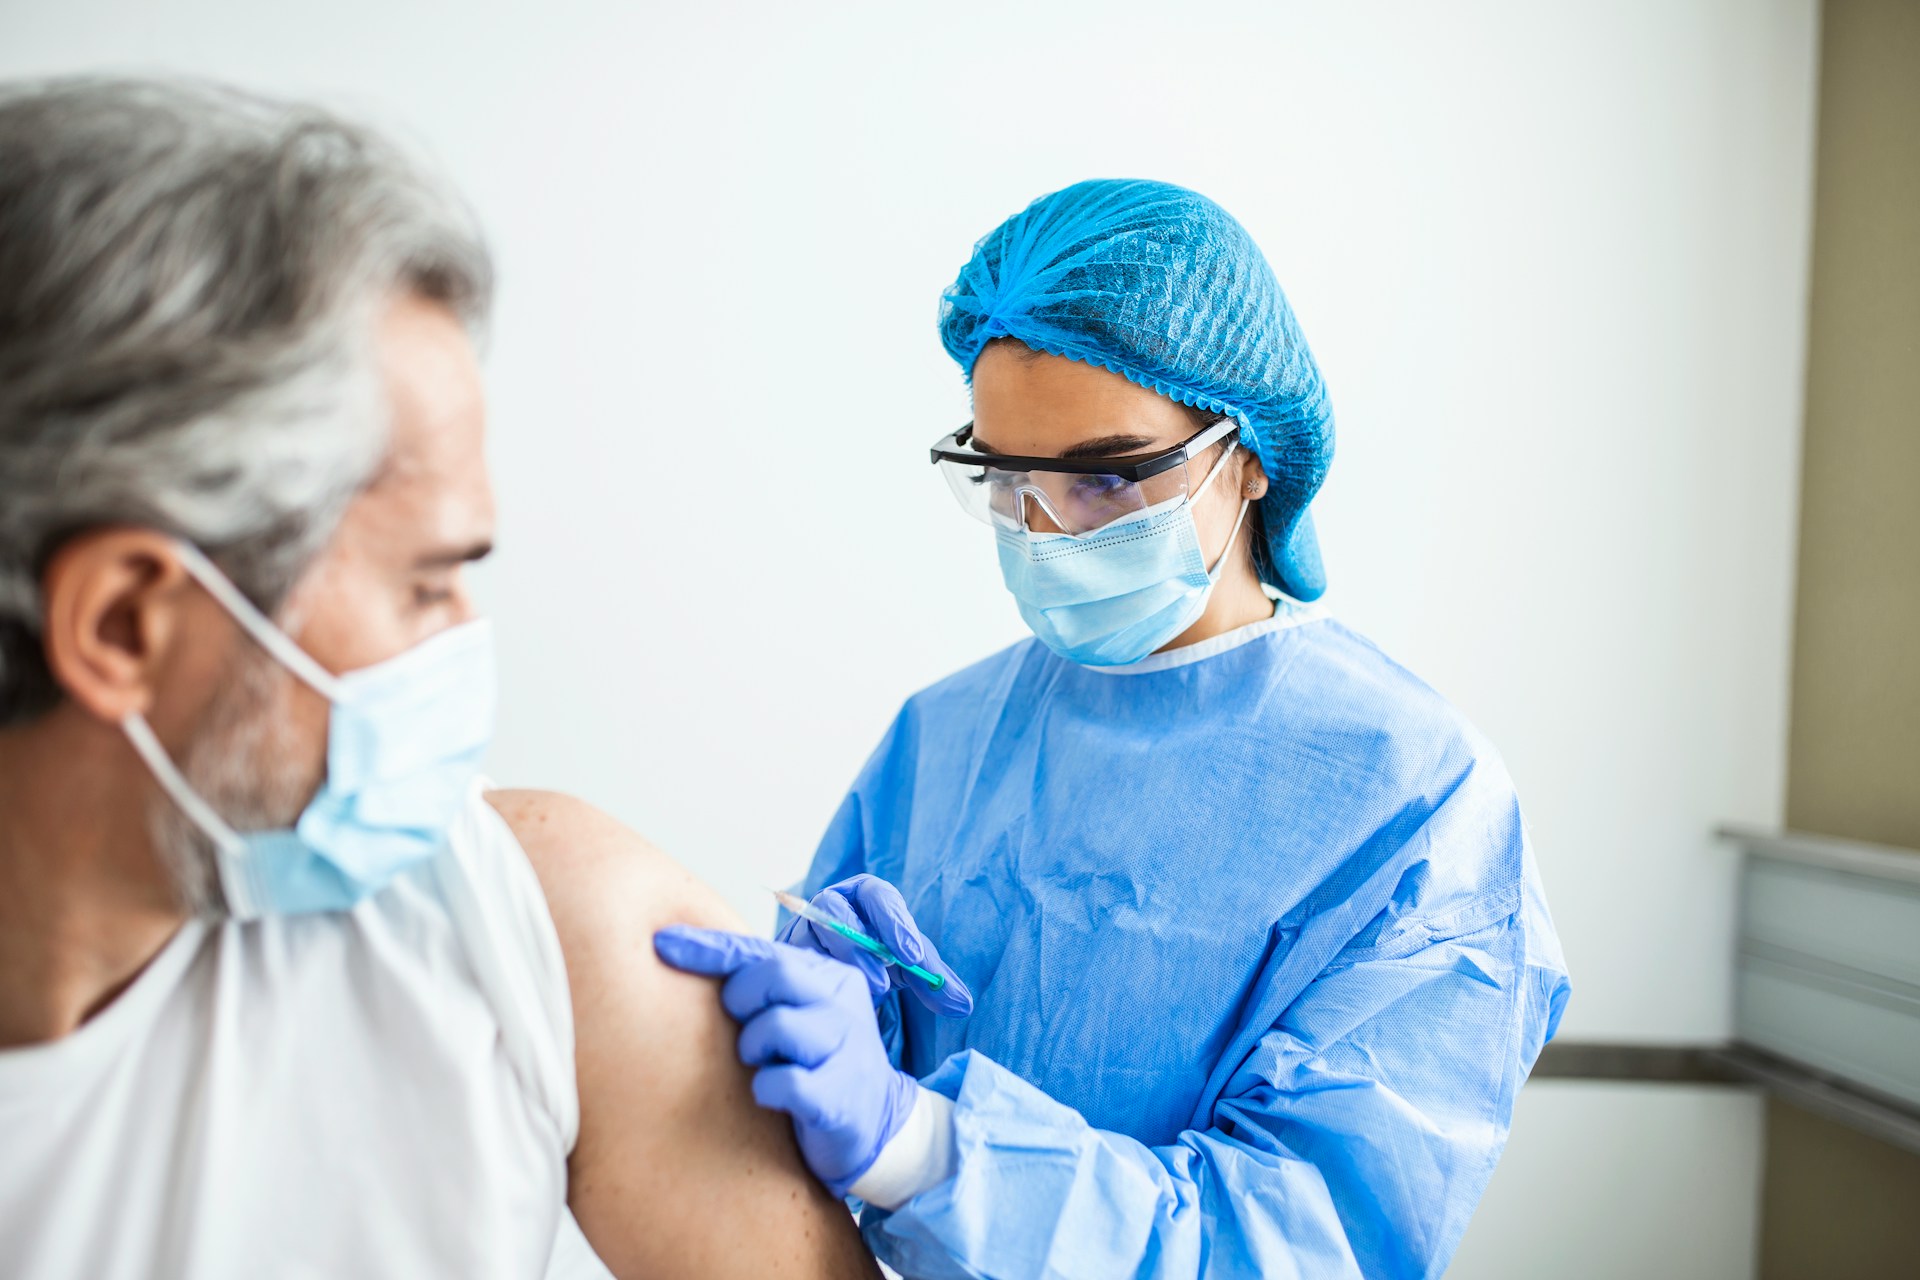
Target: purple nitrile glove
[876, 909]
[808, 1030]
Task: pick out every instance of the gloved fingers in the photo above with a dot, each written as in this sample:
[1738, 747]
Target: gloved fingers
[797, 932]
[952, 1000]
[837, 946]
[887, 916]
[791, 975]
[714, 953]
[814, 936]
[803, 1035]
[893, 923]
[787, 1088]
[800, 931]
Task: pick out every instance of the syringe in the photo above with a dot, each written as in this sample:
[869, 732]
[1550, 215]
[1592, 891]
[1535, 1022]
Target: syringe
[801, 907]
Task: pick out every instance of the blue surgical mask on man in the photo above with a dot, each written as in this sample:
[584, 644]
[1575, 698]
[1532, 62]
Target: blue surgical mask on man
[1111, 597]
[405, 738]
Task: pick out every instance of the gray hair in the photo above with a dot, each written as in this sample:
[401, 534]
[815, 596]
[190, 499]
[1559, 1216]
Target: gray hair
[188, 281]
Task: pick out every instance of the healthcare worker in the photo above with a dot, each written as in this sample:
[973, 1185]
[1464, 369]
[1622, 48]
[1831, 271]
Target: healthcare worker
[1244, 953]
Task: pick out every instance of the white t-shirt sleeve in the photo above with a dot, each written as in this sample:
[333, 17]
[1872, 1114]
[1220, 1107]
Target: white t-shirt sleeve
[501, 915]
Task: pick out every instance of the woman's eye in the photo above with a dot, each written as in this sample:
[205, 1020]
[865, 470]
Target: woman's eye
[1100, 486]
[426, 596]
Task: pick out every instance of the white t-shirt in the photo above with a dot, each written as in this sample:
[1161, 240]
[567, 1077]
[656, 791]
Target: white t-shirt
[385, 1092]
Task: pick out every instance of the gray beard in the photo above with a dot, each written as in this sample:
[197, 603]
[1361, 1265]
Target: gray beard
[245, 764]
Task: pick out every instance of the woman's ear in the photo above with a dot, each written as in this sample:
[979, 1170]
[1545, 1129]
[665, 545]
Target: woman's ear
[1253, 477]
[113, 604]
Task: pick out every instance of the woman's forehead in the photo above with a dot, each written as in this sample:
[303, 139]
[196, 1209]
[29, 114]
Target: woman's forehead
[1043, 405]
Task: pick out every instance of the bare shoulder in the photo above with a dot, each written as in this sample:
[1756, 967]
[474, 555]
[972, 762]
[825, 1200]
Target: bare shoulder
[608, 890]
[673, 1153]
[600, 873]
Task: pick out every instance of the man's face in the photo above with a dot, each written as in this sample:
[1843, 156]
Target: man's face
[392, 577]
[394, 574]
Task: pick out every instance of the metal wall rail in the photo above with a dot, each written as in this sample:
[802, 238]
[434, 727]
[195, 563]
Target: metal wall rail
[1887, 1119]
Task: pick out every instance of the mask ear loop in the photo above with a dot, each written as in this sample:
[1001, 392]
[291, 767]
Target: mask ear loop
[242, 904]
[1214, 474]
[175, 784]
[1213, 574]
[146, 744]
[256, 624]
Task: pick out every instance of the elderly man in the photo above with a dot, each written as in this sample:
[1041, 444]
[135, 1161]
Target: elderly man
[282, 989]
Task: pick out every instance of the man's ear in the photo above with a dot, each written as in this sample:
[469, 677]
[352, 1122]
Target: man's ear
[115, 604]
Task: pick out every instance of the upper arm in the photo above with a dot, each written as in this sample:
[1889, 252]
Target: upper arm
[677, 1171]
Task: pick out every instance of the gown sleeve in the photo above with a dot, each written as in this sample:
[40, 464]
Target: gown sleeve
[1354, 1140]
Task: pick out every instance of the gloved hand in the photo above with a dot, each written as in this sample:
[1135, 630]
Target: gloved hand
[876, 909]
[807, 1027]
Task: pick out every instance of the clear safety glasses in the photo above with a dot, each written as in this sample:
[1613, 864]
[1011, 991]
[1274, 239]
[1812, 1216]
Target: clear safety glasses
[1077, 496]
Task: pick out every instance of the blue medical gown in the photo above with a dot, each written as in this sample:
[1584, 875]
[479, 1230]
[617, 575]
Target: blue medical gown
[1259, 951]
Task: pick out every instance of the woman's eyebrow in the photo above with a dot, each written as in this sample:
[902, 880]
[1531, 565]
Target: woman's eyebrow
[1109, 447]
[1103, 447]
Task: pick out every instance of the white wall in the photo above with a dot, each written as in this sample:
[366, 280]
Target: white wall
[1551, 256]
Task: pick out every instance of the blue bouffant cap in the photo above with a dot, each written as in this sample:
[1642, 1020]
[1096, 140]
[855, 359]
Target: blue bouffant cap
[1161, 285]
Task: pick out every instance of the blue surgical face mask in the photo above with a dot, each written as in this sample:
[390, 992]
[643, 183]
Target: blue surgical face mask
[404, 742]
[1114, 596]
